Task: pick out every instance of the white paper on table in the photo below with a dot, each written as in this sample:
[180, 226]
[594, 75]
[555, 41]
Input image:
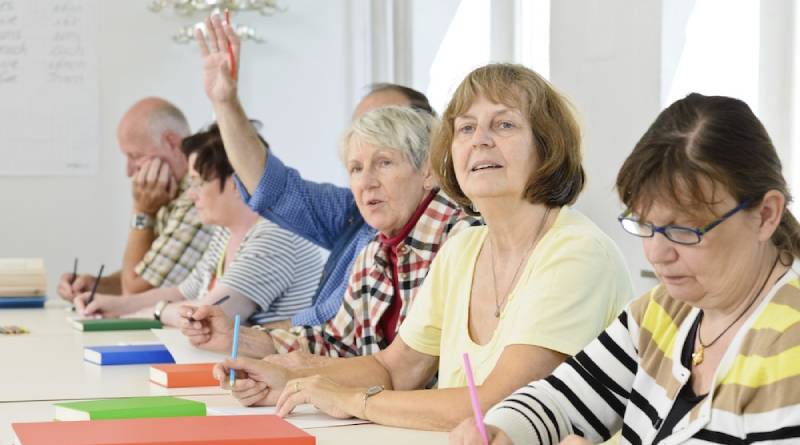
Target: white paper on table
[183, 351]
[304, 416]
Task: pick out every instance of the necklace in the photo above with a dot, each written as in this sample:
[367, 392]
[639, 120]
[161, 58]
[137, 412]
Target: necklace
[699, 355]
[498, 303]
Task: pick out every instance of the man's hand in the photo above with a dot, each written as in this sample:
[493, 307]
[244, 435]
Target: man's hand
[69, 289]
[257, 382]
[153, 187]
[207, 327]
[220, 87]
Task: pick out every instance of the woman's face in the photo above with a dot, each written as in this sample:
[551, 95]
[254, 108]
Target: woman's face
[386, 186]
[213, 206]
[720, 269]
[493, 151]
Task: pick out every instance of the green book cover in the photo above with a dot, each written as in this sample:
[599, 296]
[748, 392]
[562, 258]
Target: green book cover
[115, 324]
[130, 408]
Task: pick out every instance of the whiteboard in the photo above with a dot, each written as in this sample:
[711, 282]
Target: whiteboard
[49, 117]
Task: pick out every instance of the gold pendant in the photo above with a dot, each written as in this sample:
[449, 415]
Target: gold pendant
[698, 356]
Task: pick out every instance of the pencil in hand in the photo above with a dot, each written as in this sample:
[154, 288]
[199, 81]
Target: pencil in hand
[94, 287]
[231, 60]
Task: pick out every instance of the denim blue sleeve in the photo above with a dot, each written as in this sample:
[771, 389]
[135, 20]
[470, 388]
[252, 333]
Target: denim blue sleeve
[315, 211]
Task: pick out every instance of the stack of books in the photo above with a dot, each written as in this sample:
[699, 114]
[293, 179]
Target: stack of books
[23, 283]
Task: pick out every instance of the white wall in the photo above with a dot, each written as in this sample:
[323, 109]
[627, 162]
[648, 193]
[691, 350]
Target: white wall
[605, 56]
[296, 84]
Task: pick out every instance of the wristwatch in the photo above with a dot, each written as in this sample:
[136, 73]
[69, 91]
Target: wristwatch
[142, 221]
[371, 391]
[158, 309]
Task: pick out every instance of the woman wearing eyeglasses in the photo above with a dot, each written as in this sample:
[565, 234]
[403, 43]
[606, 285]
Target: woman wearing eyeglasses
[266, 272]
[712, 354]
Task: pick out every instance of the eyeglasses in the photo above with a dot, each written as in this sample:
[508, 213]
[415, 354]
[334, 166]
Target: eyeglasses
[687, 236]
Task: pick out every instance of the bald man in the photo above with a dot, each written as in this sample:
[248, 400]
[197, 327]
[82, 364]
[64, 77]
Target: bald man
[165, 238]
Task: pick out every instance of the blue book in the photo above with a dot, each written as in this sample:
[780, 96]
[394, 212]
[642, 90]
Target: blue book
[22, 302]
[127, 355]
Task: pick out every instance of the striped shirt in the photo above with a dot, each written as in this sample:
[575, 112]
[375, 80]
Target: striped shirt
[629, 377]
[274, 268]
[180, 241]
[354, 330]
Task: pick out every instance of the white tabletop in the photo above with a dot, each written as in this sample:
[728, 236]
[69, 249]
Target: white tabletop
[46, 366]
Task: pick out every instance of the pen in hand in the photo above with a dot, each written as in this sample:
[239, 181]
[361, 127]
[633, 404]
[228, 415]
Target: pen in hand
[96, 282]
[216, 303]
[74, 272]
[234, 347]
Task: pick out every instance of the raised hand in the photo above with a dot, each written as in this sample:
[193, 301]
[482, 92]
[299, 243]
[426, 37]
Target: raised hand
[217, 80]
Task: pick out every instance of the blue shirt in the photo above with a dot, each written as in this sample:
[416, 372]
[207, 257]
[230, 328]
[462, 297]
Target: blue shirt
[324, 214]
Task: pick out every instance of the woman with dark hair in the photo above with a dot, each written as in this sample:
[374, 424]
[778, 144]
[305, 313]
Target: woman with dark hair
[710, 355]
[268, 272]
[534, 285]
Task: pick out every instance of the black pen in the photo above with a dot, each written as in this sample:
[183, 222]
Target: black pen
[74, 272]
[216, 303]
[96, 282]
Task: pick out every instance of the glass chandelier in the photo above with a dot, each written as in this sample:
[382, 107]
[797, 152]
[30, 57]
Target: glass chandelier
[204, 8]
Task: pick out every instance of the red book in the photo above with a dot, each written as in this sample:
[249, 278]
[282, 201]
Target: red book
[184, 375]
[214, 430]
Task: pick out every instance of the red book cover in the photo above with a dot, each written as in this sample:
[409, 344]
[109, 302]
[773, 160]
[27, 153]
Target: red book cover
[213, 430]
[183, 375]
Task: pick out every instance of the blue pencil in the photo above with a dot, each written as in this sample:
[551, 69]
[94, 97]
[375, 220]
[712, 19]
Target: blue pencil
[235, 347]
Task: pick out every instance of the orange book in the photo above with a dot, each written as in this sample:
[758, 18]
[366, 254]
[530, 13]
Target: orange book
[183, 376]
[214, 430]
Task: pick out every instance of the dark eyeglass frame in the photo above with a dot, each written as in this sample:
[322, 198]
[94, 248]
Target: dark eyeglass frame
[669, 230]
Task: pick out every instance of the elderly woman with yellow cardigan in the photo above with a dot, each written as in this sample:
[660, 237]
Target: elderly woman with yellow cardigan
[712, 354]
[534, 285]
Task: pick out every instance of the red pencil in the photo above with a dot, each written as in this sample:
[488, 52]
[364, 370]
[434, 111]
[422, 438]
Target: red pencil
[230, 47]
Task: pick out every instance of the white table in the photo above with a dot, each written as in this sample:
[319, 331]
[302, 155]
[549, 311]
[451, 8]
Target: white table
[47, 366]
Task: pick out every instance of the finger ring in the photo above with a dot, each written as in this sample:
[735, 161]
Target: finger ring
[296, 386]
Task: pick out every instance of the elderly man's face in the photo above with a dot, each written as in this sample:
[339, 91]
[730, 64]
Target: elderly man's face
[386, 186]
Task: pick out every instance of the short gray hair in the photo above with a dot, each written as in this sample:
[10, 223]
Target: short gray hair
[167, 118]
[399, 128]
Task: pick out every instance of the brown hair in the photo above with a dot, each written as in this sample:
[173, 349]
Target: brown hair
[211, 161]
[560, 177]
[700, 141]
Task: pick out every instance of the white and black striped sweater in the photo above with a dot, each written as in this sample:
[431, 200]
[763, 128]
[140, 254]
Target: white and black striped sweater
[628, 379]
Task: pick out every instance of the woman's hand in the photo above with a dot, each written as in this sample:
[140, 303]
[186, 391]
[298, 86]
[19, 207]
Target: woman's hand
[258, 383]
[219, 84]
[206, 327]
[104, 306]
[466, 433]
[327, 396]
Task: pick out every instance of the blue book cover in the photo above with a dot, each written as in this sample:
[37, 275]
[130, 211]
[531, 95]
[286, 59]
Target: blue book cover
[127, 355]
[22, 302]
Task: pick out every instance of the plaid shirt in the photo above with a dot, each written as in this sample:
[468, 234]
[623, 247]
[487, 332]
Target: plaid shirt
[353, 331]
[180, 241]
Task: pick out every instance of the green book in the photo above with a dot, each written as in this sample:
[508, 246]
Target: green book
[130, 408]
[115, 324]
